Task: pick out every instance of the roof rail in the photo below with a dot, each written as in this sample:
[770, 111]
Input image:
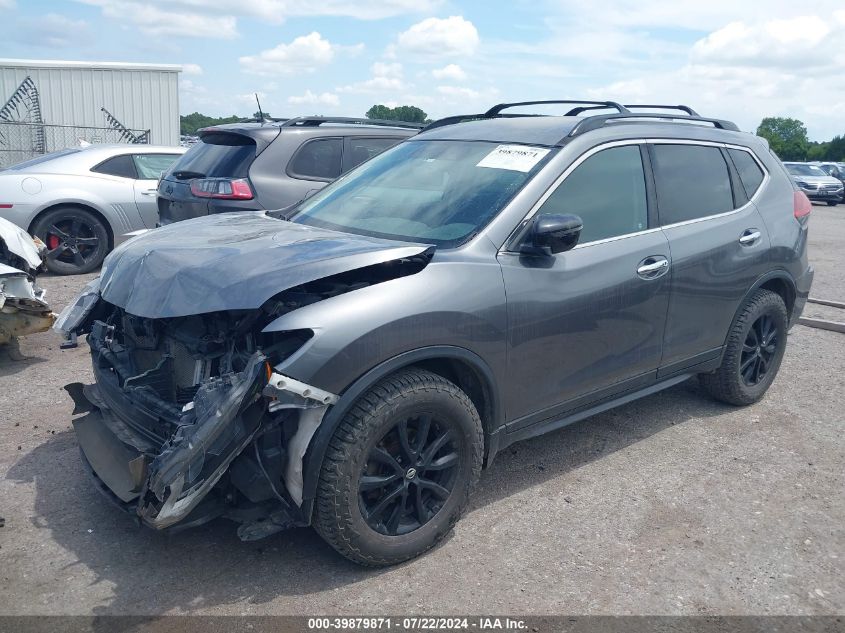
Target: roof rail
[314, 121]
[497, 109]
[595, 122]
[682, 108]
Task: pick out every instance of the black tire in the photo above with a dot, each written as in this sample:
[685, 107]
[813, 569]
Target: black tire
[372, 427]
[753, 353]
[77, 240]
[831, 203]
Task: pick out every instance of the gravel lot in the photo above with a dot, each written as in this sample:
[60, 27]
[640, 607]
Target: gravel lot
[671, 505]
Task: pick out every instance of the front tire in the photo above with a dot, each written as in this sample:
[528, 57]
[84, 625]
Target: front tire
[832, 203]
[77, 240]
[753, 353]
[399, 470]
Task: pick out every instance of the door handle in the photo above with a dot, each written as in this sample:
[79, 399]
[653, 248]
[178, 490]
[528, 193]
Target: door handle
[749, 236]
[149, 192]
[653, 267]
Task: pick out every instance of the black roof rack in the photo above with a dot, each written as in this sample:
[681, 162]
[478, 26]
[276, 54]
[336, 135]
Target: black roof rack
[595, 122]
[314, 121]
[682, 108]
[623, 113]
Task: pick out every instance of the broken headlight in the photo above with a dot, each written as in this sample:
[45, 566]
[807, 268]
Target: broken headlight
[75, 313]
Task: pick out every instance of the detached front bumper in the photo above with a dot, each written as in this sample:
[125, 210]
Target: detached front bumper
[164, 482]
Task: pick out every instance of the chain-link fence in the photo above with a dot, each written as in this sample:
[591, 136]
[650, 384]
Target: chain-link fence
[22, 141]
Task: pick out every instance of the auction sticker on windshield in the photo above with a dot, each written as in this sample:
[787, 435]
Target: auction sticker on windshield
[513, 157]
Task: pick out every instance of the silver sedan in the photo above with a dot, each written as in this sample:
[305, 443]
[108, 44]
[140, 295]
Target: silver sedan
[83, 201]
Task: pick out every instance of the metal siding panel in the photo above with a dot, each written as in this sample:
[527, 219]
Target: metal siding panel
[140, 99]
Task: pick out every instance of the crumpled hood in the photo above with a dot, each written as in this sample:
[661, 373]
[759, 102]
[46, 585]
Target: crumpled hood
[232, 261]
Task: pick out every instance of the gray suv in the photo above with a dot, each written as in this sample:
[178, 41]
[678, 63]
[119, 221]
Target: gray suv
[353, 363]
[254, 166]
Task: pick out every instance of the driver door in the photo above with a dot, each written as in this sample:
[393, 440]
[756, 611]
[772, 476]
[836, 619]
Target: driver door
[587, 323]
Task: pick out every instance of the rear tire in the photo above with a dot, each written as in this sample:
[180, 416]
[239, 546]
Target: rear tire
[754, 351]
[831, 203]
[77, 240]
[390, 485]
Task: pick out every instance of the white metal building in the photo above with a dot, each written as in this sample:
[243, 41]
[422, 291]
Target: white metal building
[139, 96]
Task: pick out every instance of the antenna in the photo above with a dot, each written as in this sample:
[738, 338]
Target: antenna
[260, 112]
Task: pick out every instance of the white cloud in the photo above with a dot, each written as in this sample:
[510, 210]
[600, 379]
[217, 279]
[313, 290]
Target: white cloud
[386, 78]
[192, 69]
[304, 54]
[440, 37]
[449, 72]
[456, 91]
[181, 22]
[7, 4]
[218, 18]
[311, 98]
[53, 31]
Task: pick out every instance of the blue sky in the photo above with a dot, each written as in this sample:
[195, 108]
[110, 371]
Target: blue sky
[726, 58]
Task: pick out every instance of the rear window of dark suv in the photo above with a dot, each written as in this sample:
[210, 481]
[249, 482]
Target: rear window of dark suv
[217, 155]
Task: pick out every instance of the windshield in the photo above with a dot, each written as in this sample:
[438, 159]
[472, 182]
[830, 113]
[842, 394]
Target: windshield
[437, 192]
[805, 170]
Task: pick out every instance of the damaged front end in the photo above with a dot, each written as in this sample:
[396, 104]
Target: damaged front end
[23, 309]
[188, 421]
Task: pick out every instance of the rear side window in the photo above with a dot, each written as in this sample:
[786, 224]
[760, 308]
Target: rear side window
[607, 191]
[217, 155]
[692, 182]
[359, 150]
[122, 166]
[749, 171]
[151, 166]
[318, 159]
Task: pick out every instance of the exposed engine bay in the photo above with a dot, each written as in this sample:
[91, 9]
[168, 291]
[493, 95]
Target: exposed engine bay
[189, 420]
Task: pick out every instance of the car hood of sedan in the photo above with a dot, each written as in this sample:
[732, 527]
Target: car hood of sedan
[232, 261]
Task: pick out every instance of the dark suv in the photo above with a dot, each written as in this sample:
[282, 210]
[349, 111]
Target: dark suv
[354, 362]
[257, 166]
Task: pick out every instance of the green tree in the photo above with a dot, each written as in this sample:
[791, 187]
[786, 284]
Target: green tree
[409, 114]
[190, 123]
[787, 137]
[836, 149]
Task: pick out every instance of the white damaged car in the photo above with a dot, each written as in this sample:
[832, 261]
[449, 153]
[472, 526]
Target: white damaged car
[22, 306]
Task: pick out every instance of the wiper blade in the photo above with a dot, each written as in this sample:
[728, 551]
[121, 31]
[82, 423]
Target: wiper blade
[182, 174]
[286, 213]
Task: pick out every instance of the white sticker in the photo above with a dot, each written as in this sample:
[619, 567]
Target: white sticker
[513, 157]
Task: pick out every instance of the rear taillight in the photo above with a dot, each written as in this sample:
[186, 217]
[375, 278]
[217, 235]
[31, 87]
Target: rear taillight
[801, 205]
[224, 188]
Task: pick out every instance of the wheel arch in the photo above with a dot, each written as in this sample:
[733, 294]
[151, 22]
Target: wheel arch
[463, 367]
[78, 205]
[778, 281]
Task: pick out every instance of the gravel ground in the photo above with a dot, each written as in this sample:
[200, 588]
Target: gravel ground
[671, 505]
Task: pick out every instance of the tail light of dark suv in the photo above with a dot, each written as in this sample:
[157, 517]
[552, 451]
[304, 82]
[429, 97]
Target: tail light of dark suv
[223, 188]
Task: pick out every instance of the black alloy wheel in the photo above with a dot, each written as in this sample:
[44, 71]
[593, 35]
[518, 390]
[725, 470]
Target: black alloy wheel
[77, 240]
[759, 349]
[409, 475]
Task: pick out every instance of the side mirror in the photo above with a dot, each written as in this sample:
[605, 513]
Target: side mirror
[552, 234]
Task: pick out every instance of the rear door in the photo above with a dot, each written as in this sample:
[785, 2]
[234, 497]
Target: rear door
[149, 168]
[717, 238]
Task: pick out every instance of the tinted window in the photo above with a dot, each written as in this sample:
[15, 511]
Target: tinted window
[150, 166]
[319, 159]
[607, 191]
[359, 150]
[118, 166]
[217, 155]
[749, 171]
[692, 182]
